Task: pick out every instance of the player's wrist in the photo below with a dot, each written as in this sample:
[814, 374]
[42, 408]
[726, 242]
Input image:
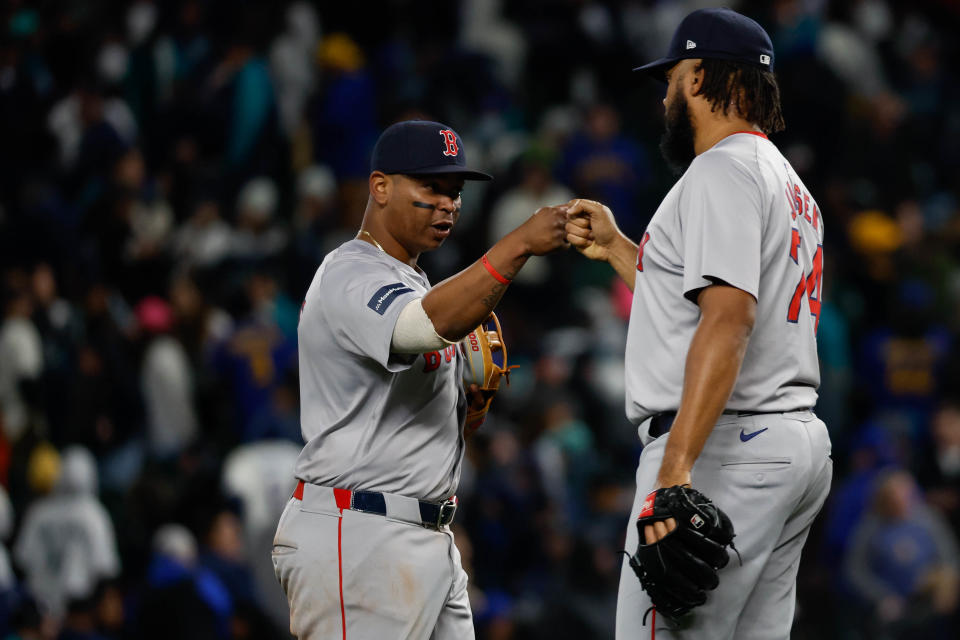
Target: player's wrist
[516, 245]
[499, 277]
[624, 244]
[672, 476]
[620, 250]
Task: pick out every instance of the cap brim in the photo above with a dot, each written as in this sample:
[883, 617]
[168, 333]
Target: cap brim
[658, 68]
[467, 174]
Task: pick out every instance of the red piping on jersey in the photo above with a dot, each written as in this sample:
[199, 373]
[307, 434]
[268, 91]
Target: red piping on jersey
[298, 492]
[753, 133]
[341, 496]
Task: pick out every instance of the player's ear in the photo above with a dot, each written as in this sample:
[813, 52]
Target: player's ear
[380, 187]
[694, 78]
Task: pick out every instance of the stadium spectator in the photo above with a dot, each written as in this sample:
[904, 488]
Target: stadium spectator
[166, 381]
[21, 354]
[67, 543]
[175, 583]
[537, 189]
[903, 563]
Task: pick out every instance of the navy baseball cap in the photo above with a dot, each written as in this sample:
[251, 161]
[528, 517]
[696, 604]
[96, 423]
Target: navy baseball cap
[416, 147]
[715, 33]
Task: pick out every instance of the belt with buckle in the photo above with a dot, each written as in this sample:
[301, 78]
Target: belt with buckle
[432, 514]
[660, 423]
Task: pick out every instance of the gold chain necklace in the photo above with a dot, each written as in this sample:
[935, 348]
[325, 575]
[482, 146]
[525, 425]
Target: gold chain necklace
[364, 232]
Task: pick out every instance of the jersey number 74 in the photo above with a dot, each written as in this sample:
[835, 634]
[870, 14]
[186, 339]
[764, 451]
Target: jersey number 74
[810, 284]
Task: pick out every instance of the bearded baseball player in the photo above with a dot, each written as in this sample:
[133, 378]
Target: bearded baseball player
[364, 550]
[721, 361]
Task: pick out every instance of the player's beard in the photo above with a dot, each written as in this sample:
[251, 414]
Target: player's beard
[676, 143]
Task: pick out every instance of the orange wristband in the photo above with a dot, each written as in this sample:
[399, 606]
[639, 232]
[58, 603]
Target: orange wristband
[494, 272]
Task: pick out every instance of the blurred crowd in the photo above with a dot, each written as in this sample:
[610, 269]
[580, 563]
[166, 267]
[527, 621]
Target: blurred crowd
[172, 173]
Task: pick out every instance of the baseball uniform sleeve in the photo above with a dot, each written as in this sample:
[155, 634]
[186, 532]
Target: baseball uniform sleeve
[720, 216]
[360, 303]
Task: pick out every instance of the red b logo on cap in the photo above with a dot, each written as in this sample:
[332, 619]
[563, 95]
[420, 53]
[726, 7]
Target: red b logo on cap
[451, 139]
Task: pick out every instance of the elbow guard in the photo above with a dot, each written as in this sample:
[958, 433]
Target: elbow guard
[414, 331]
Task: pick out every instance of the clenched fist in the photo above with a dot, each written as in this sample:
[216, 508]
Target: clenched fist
[591, 228]
[545, 231]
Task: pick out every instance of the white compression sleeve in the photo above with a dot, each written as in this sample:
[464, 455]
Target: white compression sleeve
[414, 331]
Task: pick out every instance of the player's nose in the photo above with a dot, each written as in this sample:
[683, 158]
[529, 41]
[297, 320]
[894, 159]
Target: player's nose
[447, 204]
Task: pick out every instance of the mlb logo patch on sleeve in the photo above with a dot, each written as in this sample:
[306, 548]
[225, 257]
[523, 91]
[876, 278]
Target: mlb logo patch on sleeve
[385, 296]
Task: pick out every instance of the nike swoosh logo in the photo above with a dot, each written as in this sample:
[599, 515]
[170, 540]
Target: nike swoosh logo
[746, 436]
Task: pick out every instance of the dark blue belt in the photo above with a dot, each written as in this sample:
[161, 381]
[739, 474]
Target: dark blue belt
[432, 514]
[660, 423]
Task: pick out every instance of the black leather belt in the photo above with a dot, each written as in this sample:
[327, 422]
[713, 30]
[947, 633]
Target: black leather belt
[660, 423]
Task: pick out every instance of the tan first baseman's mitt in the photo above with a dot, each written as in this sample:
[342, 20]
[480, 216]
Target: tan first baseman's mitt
[485, 364]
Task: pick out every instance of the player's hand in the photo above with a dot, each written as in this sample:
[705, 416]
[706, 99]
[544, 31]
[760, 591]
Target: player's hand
[591, 228]
[657, 530]
[545, 231]
[476, 400]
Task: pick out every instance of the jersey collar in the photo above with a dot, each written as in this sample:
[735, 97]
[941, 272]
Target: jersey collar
[753, 133]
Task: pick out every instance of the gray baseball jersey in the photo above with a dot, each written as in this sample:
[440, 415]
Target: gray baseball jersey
[741, 215]
[373, 420]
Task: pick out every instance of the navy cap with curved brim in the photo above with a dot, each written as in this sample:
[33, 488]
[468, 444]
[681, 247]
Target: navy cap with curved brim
[420, 147]
[720, 34]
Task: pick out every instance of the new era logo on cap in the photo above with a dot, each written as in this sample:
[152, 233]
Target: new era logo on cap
[715, 33]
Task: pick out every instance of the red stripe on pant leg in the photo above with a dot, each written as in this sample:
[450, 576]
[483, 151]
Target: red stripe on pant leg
[653, 626]
[343, 613]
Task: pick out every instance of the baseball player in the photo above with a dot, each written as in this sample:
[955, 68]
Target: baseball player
[721, 361]
[364, 550]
